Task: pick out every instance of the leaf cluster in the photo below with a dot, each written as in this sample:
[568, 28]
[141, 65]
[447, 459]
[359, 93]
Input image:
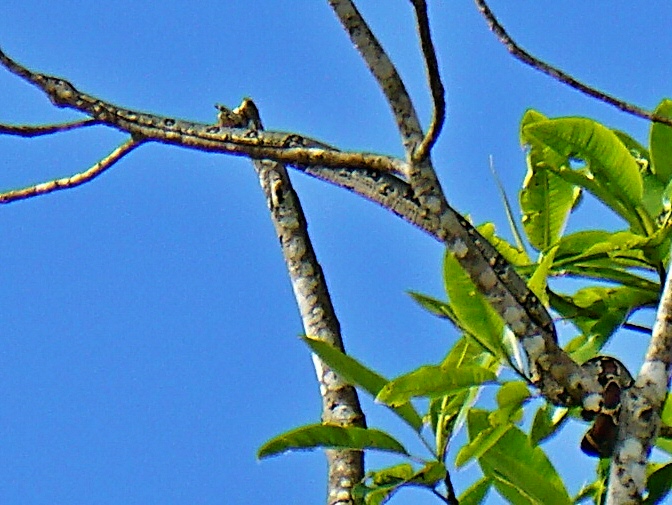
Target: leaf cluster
[620, 272]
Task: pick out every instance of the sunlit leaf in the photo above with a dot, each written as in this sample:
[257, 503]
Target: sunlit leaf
[433, 381]
[609, 160]
[355, 373]
[546, 201]
[475, 315]
[518, 469]
[515, 256]
[330, 436]
[476, 493]
[547, 420]
[661, 144]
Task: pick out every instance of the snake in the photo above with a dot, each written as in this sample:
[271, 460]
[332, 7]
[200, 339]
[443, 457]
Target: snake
[614, 377]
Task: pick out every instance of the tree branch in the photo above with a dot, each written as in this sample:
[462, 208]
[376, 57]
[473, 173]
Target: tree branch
[520, 54]
[278, 146]
[434, 80]
[35, 131]
[74, 180]
[639, 420]
[340, 404]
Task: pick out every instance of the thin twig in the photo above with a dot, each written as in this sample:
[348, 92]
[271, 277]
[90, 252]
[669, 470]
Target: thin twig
[522, 55]
[435, 84]
[35, 131]
[72, 181]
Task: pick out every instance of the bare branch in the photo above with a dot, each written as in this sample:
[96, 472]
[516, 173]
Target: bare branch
[35, 131]
[558, 376]
[278, 146]
[522, 55]
[340, 404]
[72, 181]
[383, 70]
[639, 420]
[435, 84]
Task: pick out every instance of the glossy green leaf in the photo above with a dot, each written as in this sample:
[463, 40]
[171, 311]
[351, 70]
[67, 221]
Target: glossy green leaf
[474, 314]
[608, 159]
[547, 420]
[392, 475]
[666, 413]
[603, 311]
[433, 305]
[539, 280]
[512, 395]
[661, 144]
[355, 373]
[476, 493]
[519, 470]
[659, 484]
[514, 255]
[482, 443]
[432, 381]
[330, 436]
[546, 201]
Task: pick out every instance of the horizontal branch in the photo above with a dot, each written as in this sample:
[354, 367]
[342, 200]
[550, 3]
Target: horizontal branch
[288, 148]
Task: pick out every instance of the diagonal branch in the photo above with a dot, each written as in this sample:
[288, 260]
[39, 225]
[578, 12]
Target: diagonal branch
[435, 84]
[340, 404]
[557, 375]
[520, 54]
[639, 421]
[72, 181]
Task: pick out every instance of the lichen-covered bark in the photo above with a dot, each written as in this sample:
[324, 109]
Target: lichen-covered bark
[340, 404]
[639, 420]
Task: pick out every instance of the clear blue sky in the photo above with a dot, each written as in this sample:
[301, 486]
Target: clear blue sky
[148, 330]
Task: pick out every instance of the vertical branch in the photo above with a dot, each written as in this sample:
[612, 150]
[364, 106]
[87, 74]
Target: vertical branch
[340, 403]
[639, 421]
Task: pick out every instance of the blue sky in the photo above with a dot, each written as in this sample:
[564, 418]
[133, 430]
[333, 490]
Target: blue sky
[148, 327]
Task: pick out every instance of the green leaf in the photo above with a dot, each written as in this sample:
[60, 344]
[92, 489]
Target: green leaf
[514, 255]
[661, 144]
[546, 201]
[331, 436]
[482, 443]
[519, 471]
[432, 381]
[354, 372]
[476, 493]
[659, 484]
[392, 475]
[609, 160]
[539, 280]
[512, 395]
[547, 421]
[666, 414]
[474, 314]
[433, 305]
[602, 311]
